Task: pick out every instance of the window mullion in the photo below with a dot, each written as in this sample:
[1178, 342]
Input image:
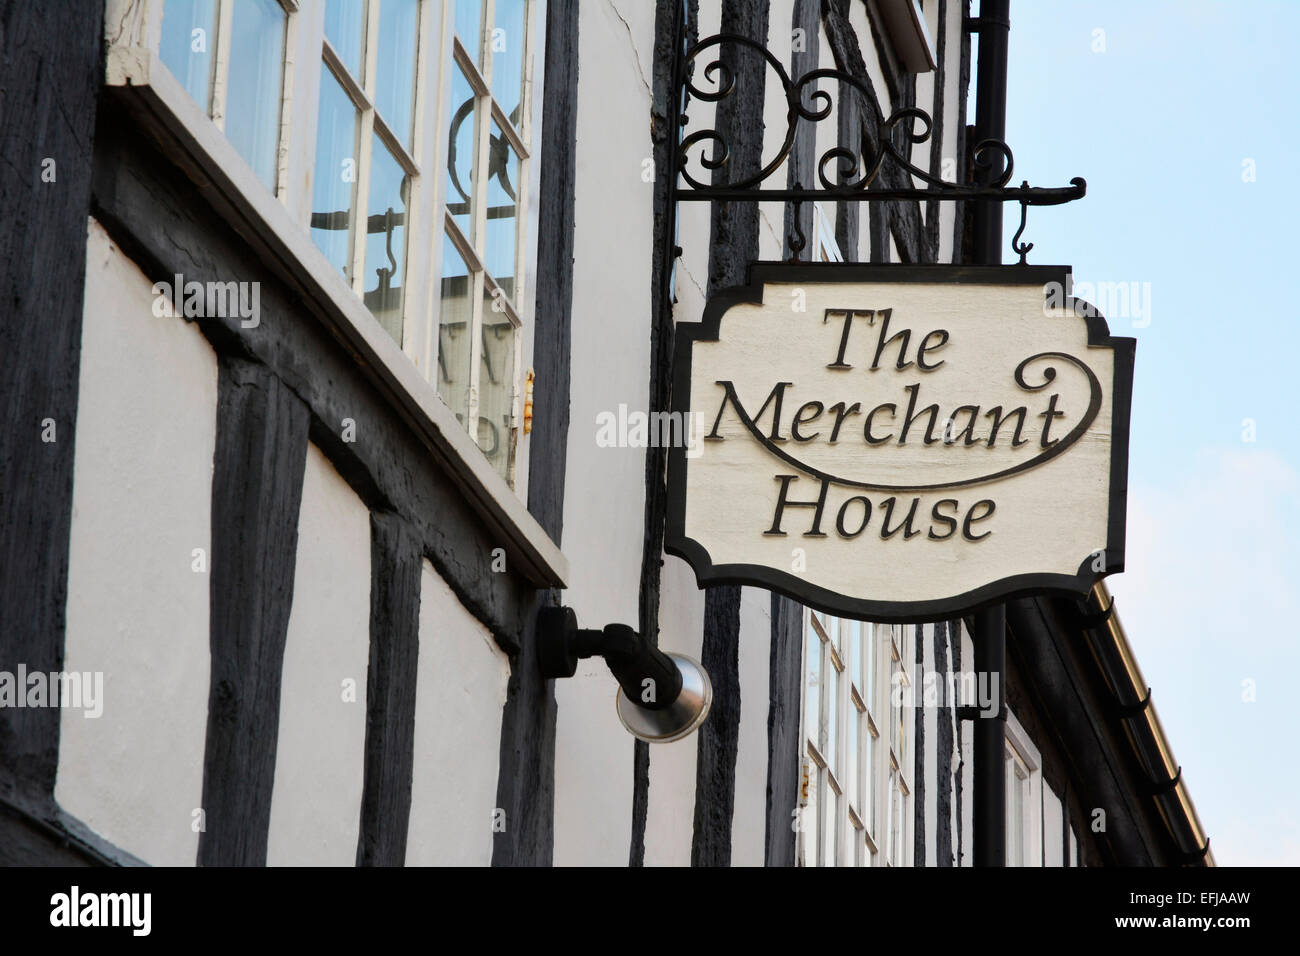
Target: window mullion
[361, 223]
[475, 352]
[362, 219]
[221, 63]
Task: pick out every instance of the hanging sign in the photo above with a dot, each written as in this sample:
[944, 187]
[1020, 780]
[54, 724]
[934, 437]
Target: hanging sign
[901, 443]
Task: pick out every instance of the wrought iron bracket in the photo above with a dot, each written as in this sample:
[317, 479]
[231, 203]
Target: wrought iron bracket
[842, 173]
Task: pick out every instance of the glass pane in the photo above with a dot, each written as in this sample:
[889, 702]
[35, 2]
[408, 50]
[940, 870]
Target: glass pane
[469, 25]
[395, 65]
[390, 188]
[496, 377]
[853, 742]
[253, 96]
[812, 687]
[460, 153]
[869, 654]
[508, 42]
[334, 181]
[345, 28]
[454, 323]
[188, 42]
[830, 832]
[868, 807]
[502, 218]
[832, 716]
[854, 641]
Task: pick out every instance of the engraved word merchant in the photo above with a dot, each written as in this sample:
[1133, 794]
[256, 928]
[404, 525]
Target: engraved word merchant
[883, 441]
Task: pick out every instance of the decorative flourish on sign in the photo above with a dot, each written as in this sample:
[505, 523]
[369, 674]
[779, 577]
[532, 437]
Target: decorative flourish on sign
[842, 172]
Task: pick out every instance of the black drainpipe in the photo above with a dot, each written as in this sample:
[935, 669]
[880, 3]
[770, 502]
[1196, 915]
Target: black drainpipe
[990, 631]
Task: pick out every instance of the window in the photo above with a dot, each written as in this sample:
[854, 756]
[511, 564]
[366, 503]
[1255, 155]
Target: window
[366, 171]
[413, 176]
[1024, 797]
[229, 56]
[855, 796]
[900, 714]
[488, 148]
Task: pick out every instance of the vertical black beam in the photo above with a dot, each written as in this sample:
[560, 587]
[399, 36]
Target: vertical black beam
[674, 28]
[801, 166]
[991, 122]
[733, 246]
[990, 639]
[51, 69]
[785, 659]
[526, 769]
[943, 746]
[785, 696]
[395, 560]
[990, 634]
[261, 453]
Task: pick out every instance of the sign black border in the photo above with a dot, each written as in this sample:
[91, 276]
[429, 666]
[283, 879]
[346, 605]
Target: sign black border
[900, 612]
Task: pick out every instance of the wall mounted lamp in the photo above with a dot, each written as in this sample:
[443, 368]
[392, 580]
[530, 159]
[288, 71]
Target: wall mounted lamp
[661, 697]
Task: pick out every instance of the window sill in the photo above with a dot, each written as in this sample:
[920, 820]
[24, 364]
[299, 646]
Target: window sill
[287, 248]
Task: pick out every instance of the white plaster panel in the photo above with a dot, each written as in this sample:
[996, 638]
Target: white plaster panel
[605, 486]
[670, 808]
[320, 753]
[460, 692]
[749, 817]
[137, 611]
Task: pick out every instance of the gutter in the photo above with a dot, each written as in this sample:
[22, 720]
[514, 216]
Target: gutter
[1137, 714]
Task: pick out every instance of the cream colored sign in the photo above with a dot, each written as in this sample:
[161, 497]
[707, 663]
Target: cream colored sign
[902, 442]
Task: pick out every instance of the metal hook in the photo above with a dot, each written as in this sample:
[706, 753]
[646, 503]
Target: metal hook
[1016, 245]
[797, 238]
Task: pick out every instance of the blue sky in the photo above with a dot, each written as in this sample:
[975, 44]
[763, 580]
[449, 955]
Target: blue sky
[1167, 113]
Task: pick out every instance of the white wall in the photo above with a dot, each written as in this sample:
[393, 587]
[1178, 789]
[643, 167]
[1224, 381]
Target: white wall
[605, 487]
[320, 754]
[749, 816]
[670, 807]
[137, 612]
[460, 691]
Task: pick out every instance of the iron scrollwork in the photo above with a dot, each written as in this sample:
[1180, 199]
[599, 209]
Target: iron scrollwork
[841, 172]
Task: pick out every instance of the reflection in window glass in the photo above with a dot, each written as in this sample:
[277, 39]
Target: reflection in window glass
[469, 19]
[812, 693]
[345, 28]
[502, 218]
[334, 179]
[508, 38]
[460, 153]
[188, 42]
[253, 93]
[386, 239]
[395, 65]
[496, 378]
[453, 331]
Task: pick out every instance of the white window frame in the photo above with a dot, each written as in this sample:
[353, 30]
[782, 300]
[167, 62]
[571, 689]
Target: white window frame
[372, 124]
[1020, 748]
[519, 306]
[865, 829]
[280, 222]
